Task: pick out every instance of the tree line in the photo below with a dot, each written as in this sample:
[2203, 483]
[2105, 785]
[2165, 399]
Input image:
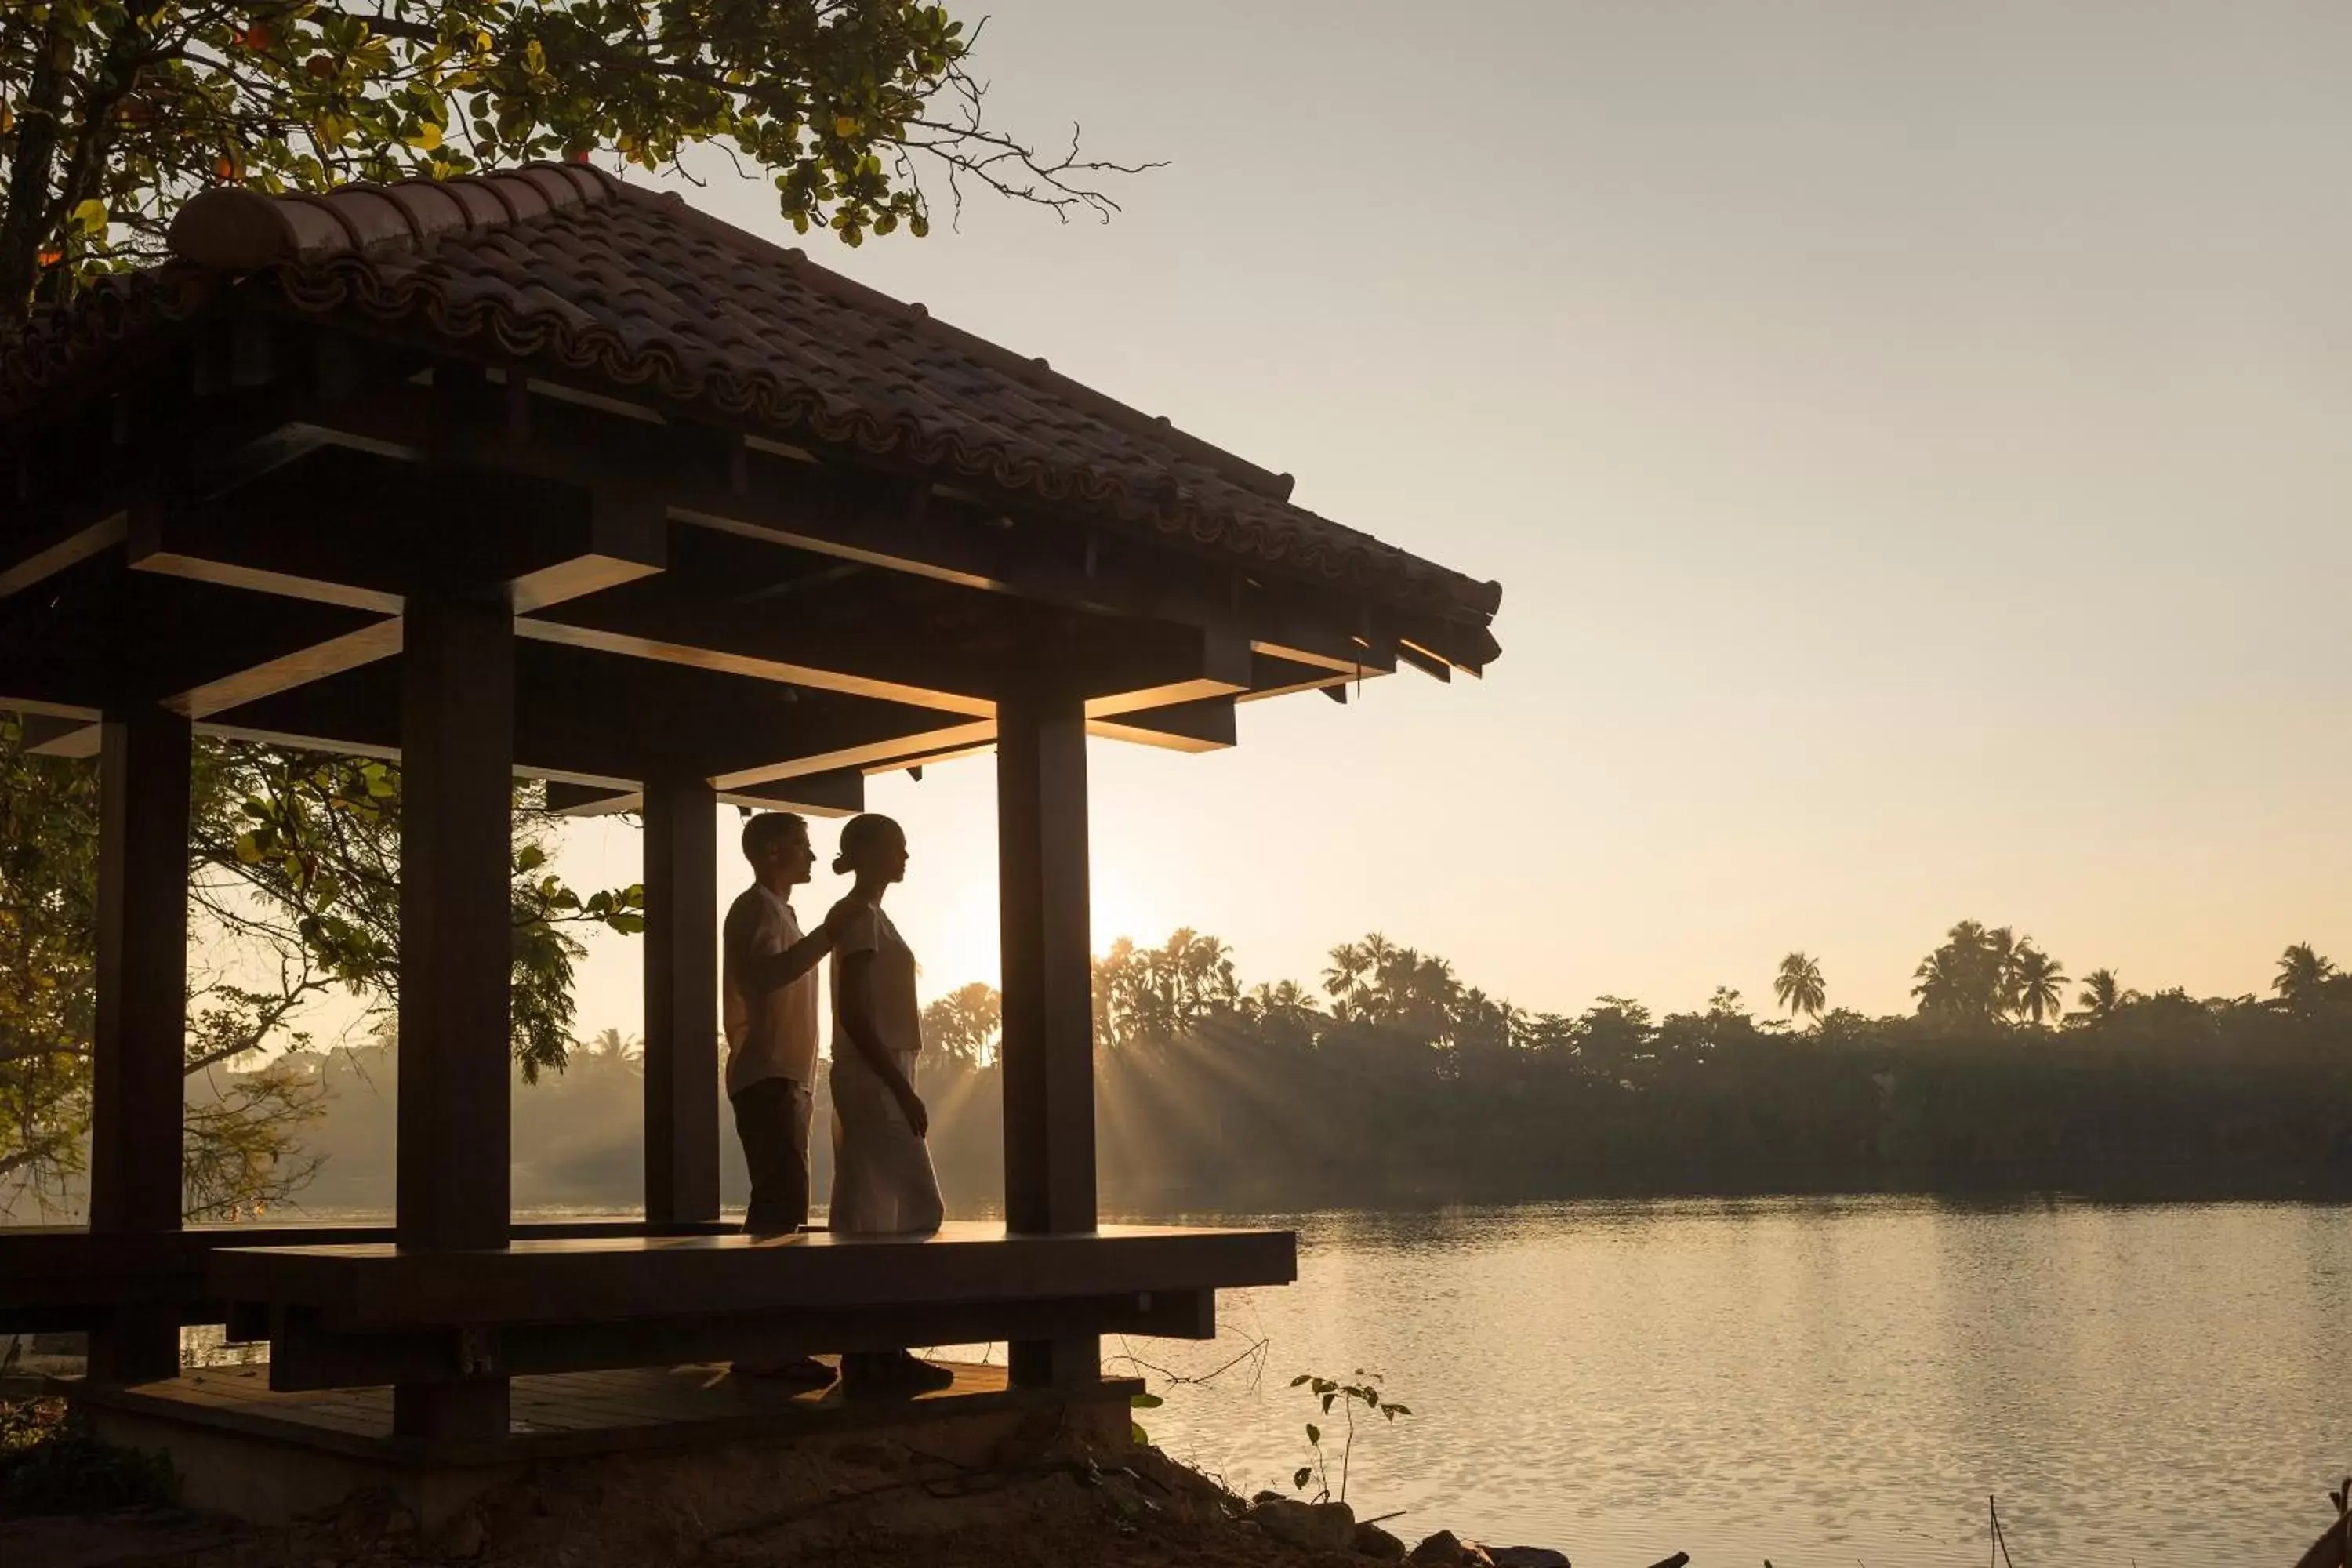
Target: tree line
[1388, 1079]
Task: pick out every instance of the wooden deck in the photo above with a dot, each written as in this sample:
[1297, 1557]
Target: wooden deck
[567, 1414]
[63, 1278]
[342, 1315]
[376, 1285]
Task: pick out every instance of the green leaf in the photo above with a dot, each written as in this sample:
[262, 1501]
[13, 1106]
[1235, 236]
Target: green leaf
[1327, 1403]
[1137, 1434]
[1299, 1476]
[1314, 1433]
[1145, 1401]
[1302, 1377]
[90, 218]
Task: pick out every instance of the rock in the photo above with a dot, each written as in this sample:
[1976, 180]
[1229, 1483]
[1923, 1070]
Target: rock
[1373, 1542]
[1266, 1496]
[1317, 1526]
[1527, 1557]
[465, 1537]
[1447, 1550]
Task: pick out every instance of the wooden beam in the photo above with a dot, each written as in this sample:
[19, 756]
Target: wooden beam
[897, 751]
[681, 957]
[456, 943]
[96, 538]
[300, 668]
[1433, 666]
[378, 1286]
[841, 793]
[305, 1355]
[881, 520]
[816, 678]
[565, 545]
[138, 1043]
[1203, 726]
[1047, 984]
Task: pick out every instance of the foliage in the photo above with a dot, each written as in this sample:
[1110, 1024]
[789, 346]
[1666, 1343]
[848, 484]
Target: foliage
[300, 852]
[294, 896]
[1149, 993]
[2306, 981]
[962, 1026]
[112, 112]
[1272, 1101]
[1328, 1392]
[1798, 987]
[1981, 976]
[48, 941]
[2101, 996]
[50, 1463]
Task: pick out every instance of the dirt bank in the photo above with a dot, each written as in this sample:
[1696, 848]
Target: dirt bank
[1038, 1498]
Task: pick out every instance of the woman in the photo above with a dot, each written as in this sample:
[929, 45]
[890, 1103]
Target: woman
[883, 1184]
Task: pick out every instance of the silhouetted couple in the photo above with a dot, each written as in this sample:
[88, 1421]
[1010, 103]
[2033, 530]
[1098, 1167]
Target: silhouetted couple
[883, 1184]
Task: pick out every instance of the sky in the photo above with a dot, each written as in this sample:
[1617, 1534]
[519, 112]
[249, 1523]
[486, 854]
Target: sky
[1910, 438]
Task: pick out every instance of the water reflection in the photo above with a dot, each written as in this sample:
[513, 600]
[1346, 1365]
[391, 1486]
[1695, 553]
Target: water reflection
[1817, 1381]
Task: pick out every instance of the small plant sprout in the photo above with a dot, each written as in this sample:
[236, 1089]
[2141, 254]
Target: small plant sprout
[1328, 1391]
[1135, 1432]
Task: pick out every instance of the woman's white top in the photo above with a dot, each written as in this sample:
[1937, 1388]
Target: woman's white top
[863, 928]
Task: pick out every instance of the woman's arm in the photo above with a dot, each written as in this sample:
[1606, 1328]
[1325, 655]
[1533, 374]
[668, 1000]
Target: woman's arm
[857, 1021]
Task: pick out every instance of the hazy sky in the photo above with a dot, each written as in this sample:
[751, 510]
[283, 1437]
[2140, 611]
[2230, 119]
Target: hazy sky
[1911, 439]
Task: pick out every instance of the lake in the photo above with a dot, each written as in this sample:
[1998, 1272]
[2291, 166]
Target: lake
[1816, 1382]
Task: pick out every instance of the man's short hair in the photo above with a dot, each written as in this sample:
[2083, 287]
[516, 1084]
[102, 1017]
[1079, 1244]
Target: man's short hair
[768, 828]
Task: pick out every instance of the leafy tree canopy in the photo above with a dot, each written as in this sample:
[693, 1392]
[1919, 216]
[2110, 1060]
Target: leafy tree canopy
[112, 112]
[294, 892]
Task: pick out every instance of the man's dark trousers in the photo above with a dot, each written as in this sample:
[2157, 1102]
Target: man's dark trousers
[771, 1118]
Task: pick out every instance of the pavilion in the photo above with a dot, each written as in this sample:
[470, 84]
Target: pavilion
[541, 475]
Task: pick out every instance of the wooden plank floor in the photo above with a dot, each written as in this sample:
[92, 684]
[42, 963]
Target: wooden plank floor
[570, 1413]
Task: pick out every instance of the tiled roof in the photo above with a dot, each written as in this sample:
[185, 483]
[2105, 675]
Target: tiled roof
[613, 285]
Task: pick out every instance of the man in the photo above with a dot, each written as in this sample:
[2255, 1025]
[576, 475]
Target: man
[768, 988]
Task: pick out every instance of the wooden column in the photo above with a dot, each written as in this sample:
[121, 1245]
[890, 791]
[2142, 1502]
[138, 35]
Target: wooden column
[455, 953]
[681, 1002]
[139, 1044]
[1049, 1106]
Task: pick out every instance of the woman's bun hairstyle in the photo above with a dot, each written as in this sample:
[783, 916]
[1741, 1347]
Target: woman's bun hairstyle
[859, 834]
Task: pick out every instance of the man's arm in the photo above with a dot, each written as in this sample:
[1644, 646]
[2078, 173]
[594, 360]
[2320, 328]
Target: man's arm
[761, 973]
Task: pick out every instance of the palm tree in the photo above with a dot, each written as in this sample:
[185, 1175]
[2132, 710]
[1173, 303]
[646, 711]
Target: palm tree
[1800, 986]
[1343, 979]
[612, 1043]
[1966, 979]
[2101, 997]
[2303, 975]
[2036, 983]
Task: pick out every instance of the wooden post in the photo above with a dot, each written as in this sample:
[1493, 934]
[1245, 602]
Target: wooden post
[1049, 1110]
[139, 1044]
[681, 1002]
[455, 954]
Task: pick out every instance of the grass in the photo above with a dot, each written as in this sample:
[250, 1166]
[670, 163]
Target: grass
[51, 1463]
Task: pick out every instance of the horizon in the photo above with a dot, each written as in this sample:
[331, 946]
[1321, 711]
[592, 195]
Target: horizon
[1905, 438]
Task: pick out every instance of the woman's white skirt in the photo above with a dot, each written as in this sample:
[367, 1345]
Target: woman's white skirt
[883, 1184]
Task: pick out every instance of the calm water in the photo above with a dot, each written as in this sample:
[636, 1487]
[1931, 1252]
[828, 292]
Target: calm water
[1814, 1382]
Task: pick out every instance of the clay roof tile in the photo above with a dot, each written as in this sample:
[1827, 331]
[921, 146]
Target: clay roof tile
[596, 281]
